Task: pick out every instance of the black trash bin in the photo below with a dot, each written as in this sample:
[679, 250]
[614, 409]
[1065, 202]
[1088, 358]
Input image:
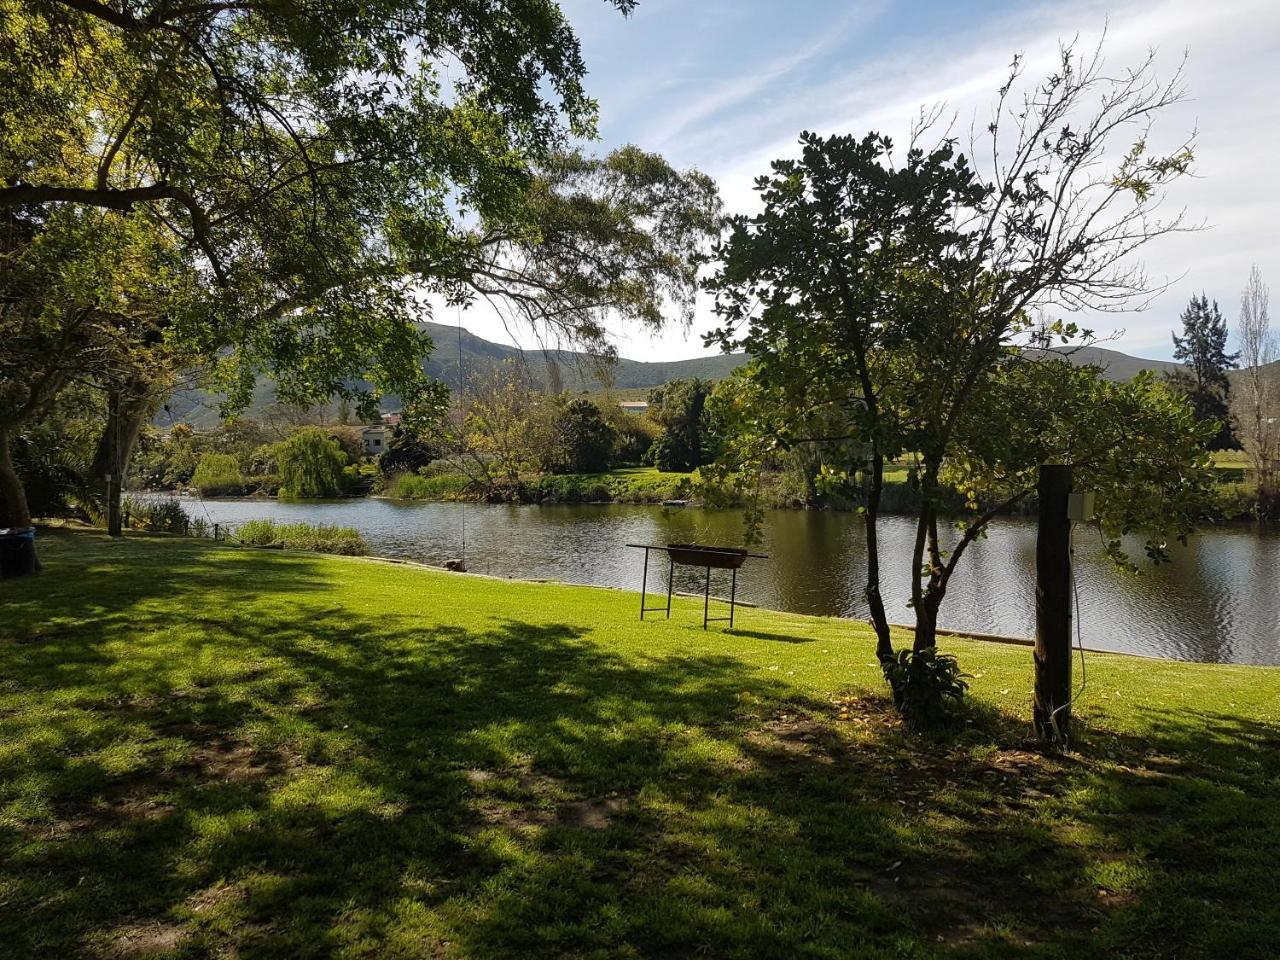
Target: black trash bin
[18, 552]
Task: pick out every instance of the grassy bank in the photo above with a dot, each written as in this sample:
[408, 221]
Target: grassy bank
[216, 751]
[624, 485]
[320, 538]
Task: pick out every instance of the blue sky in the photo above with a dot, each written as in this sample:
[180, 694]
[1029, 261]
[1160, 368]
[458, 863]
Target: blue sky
[726, 85]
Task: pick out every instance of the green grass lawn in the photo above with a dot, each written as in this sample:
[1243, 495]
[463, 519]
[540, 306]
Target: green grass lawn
[210, 751]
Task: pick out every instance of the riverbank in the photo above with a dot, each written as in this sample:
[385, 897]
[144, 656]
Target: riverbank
[641, 485]
[1237, 497]
[220, 750]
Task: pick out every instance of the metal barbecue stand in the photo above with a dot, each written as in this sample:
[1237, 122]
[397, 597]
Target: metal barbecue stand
[694, 555]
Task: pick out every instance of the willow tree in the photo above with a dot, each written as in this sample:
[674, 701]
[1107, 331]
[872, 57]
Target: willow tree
[892, 299]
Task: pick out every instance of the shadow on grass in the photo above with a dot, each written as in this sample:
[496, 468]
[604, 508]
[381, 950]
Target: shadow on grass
[771, 636]
[375, 786]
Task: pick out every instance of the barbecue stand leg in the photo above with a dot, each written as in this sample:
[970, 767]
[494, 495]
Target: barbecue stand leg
[671, 574]
[644, 583]
[733, 595]
[706, 600]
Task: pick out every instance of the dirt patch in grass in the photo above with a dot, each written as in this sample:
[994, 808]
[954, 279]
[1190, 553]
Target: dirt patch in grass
[215, 897]
[225, 758]
[151, 794]
[594, 814]
[143, 940]
[540, 800]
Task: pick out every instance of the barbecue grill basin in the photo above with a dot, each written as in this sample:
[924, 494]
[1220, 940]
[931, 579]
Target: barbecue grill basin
[698, 555]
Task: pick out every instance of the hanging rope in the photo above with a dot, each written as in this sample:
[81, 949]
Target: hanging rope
[462, 388]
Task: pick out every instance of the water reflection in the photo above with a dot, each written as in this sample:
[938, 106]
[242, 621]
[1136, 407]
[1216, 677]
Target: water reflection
[1217, 601]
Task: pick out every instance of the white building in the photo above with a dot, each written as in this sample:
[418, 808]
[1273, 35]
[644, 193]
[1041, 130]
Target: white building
[375, 439]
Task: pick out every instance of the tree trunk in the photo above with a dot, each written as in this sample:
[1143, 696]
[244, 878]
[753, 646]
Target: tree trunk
[1052, 706]
[128, 409]
[879, 619]
[926, 637]
[17, 554]
[926, 610]
[13, 498]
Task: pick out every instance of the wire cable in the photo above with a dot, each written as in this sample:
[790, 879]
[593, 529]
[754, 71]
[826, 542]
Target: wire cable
[1075, 595]
[462, 390]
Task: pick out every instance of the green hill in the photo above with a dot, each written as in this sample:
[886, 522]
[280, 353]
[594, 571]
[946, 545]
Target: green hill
[1115, 365]
[556, 369]
[575, 371]
[570, 370]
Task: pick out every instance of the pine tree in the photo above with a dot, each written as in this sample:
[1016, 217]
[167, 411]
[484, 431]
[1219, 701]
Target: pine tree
[1203, 348]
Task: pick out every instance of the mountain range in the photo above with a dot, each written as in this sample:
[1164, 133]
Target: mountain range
[570, 370]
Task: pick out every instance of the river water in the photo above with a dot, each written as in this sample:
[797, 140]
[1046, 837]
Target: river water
[1218, 601]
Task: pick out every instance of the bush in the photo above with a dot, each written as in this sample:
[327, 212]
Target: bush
[261, 461]
[350, 440]
[165, 516]
[678, 408]
[406, 452]
[583, 440]
[322, 538]
[633, 436]
[311, 465]
[218, 475]
[927, 687]
[415, 486]
[569, 488]
[54, 468]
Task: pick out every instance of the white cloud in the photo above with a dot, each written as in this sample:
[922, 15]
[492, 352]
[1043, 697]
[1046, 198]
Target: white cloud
[735, 128]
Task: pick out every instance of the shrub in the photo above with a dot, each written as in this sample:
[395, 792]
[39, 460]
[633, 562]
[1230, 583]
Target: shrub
[218, 475]
[678, 408]
[406, 451]
[261, 461]
[633, 436]
[415, 486]
[166, 516]
[54, 467]
[927, 687]
[583, 440]
[350, 441]
[267, 485]
[569, 488]
[322, 538]
[311, 465]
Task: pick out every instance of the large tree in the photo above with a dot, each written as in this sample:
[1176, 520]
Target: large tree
[1203, 349]
[321, 168]
[892, 299]
[678, 407]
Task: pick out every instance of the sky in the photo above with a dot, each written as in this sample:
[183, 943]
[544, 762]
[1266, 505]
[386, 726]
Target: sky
[727, 86]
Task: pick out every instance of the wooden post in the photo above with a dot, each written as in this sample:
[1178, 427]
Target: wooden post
[1052, 706]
